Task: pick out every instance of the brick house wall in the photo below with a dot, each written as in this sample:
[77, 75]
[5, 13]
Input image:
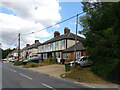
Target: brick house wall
[72, 57]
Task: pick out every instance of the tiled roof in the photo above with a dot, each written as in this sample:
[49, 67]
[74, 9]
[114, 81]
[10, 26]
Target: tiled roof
[64, 36]
[35, 45]
[25, 48]
[72, 48]
[9, 55]
[15, 51]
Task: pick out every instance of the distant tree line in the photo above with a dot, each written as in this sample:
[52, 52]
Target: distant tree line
[6, 52]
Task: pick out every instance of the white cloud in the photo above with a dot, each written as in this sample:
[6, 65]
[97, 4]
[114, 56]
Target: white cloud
[81, 35]
[11, 25]
[30, 16]
[44, 11]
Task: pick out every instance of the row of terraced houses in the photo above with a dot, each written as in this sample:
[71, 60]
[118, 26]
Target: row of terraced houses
[60, 46]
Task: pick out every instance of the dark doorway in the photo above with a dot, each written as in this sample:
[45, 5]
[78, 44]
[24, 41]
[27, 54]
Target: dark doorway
[49, 54]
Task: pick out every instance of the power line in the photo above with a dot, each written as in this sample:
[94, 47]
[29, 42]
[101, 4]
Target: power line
[54, 24]
[13, 41]
[23, 40]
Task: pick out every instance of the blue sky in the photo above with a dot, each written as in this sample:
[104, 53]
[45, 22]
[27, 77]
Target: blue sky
[5, 10]
[68, 9]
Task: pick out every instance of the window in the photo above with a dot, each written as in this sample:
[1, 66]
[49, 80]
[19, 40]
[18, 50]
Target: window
[56, 45]
[77, 55]
[63, 43]
[47, 47]
[51, 46]
[42, 48]
[58, 54]
[66, 56]
[45, 56]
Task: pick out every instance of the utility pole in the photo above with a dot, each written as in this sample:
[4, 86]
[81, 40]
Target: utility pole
[18, 46]
[76, 37]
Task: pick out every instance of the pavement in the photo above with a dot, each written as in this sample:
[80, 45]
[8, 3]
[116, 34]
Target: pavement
[16, 77]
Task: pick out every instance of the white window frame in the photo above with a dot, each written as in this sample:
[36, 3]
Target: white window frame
[66, 56]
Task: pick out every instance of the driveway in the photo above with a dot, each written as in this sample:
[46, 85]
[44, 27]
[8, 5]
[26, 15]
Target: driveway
[53, 70]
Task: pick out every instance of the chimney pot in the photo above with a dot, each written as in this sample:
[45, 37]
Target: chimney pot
[66, 30]
[27, 45]
[36, 41]
[56, 34]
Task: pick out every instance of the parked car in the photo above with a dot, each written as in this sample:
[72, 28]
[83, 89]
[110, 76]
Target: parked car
[34, 59]
[23, 59]
[4, 59]
[82, 61]
[12, 60]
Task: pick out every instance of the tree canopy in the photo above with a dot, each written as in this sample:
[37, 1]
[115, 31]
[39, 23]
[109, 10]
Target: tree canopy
[102, 31]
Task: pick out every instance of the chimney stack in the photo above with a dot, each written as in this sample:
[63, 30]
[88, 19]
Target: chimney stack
[56, 34]
[66, 30]
[27, 45]
[36, 41]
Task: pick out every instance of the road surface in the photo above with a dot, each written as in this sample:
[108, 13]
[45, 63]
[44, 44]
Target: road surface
[16, 77]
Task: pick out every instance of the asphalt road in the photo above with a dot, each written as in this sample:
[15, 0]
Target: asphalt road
[16, 77]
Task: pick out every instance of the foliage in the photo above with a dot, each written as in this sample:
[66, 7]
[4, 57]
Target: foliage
[53, 60]
[101, 28]
[18, 63]
[46, 61]
[6, 52]
[104, 66]
[31, 65]
[49, 61]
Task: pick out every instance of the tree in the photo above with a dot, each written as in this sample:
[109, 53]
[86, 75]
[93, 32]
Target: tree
[6, 52]
[101, 28]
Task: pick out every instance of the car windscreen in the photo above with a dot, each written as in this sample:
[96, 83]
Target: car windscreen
[84, 58]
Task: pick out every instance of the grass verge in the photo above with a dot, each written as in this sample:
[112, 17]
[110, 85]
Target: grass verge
[84, 75]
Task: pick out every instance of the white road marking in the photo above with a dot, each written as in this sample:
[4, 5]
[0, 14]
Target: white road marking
[26, 76]
[12, 70]
[48, 86]
[84, 84]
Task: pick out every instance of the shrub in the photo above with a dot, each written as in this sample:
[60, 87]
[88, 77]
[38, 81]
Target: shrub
[46, 61]
[31, 64]
[17, 63]
[53, 60]
[114, 76]
[104, 66]
[49, 61]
